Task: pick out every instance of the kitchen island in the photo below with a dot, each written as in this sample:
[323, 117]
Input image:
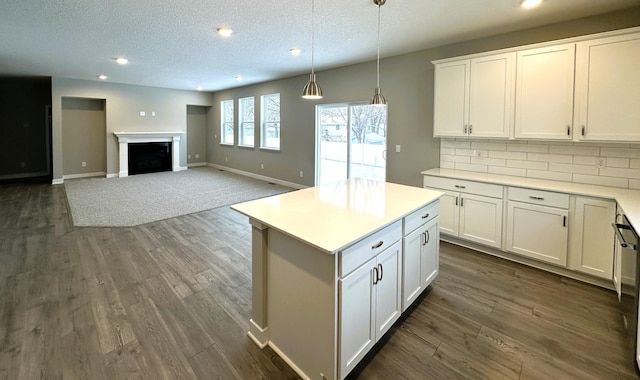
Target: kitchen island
[334, 266]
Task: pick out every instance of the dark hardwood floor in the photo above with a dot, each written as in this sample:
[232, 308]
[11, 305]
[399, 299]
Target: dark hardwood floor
[171, 300]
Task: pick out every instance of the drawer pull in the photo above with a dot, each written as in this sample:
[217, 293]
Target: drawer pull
[425, 216]
[377, 245]
[536, 198]
[460, 187]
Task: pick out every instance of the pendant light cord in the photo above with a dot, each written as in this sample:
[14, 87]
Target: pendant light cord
[378, 65]
[312, 36]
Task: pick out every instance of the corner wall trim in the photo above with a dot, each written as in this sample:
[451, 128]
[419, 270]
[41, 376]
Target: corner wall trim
[57, 181]
[257, 176]
[84, 175]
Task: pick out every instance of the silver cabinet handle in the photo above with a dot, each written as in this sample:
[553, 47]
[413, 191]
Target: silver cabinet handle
[470, 128]
[461, 202]
[456, 201]
[465, 129]
[584, 130]
[459, 187]
[375, 275]
[378, 245]
[536, 198]
[381, 272]
[425, 216]
[428, 237]
[568, 130]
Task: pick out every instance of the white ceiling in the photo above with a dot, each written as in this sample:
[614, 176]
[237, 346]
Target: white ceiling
[174, 44]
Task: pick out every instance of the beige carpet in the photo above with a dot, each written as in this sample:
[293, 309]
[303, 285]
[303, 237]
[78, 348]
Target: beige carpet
[144, 198]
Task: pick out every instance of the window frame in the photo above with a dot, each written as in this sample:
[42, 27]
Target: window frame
[224, 123]
[264, 122]
[242, 122]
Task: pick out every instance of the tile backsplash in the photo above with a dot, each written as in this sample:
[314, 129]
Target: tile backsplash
[606, 164]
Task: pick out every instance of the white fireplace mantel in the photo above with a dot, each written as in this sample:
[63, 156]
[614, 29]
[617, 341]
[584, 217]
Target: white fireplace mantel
[124, 138]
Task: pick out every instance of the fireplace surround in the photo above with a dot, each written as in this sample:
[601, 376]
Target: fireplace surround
[126, 138]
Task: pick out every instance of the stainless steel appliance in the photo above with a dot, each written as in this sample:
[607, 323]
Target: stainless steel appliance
[627, 279]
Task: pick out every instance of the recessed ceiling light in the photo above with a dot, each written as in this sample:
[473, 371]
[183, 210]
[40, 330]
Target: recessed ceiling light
[199, 88]
[295, 51]
[238, 78]
[102, 76]
[122, 61]
[223, 31]
[528, 4]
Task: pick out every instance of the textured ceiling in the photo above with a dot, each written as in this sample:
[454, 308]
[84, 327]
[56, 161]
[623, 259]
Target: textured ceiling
[174, 44]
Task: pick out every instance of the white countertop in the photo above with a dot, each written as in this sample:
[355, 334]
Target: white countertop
[331, 217]
[628, 200]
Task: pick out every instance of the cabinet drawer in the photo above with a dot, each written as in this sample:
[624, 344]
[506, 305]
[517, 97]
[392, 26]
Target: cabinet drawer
[420, 216]
[471, 187]
[358, 253]
[539, 197]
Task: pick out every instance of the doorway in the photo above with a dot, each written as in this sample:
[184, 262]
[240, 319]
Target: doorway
[351, 142]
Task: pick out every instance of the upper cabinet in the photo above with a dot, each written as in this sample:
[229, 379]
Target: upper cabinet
[473, 97]
[608, 89]
[544, 93]
[584, 88]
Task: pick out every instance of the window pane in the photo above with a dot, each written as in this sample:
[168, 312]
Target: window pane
[227, 122]
[246, 121]
[270, 125]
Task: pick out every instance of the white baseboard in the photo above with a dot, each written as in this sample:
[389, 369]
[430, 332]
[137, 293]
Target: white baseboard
[258, 176]
[286, 359]
[259, 335]
[180, 168]
[57, 181]
[196, 164]
[112, 175]
[84, 175]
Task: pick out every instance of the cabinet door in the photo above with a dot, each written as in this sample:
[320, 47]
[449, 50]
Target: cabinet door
[388, 291]
[430, 253]
[451, 95]
[357, 318]
[481, 219]
[608, 88]
[411, 279]
[538, 232]
[592, 237]
[449, 213]
[490, 95]
[544, 93]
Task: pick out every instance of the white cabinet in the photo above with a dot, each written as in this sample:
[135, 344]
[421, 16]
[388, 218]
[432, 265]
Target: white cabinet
[592, 238]
[544, 93]
[421, 249]
[474, 97]
[473, 212]
[537, 224]
[369, 304]
[608, 88]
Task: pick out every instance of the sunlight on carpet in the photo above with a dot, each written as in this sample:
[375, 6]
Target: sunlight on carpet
[139, 199]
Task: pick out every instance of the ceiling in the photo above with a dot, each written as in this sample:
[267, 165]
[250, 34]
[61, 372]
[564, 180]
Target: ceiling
[174, 44]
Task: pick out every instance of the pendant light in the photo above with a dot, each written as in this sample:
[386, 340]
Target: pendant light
[312, 90]
[378, 99]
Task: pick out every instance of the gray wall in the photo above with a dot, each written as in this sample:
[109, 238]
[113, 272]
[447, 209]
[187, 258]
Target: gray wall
[25, 135]
[123, 106]
[407, 83]
[197, 123]
[84, 122]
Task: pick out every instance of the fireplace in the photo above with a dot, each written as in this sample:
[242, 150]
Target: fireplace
[158, 149]
[149, 157]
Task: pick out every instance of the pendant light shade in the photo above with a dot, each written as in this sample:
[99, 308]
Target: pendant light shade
[378, 99]
[312, 89]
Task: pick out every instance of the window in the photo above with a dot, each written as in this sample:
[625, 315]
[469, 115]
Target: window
[226, 122]
[246, 126]
[270, 132]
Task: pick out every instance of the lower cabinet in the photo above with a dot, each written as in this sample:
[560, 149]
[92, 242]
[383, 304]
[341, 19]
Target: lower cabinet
[537, 224]
[421, 249]
[370, 302]
[592, 238]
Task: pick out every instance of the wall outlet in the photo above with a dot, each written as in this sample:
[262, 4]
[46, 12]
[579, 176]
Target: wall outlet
[84, 164]
[301, 174]
[477, 154]
[197, 155]
[261, 166]
[397, 148]
[142, 113]
[226, 159]
[188, 156]
[601, 162]
[153, 113]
